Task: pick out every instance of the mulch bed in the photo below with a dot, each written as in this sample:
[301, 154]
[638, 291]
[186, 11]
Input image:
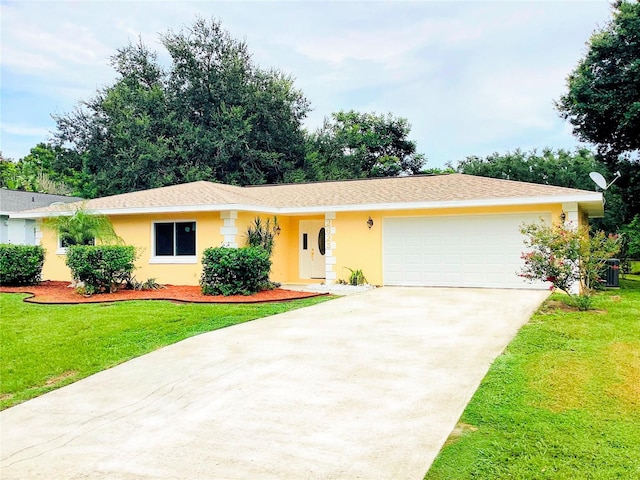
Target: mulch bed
[55, 292]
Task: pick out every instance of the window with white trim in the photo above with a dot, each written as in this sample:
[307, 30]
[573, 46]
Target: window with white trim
[174, 241]
[64, 242]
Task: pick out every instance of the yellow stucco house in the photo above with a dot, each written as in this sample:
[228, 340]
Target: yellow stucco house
[443, 230]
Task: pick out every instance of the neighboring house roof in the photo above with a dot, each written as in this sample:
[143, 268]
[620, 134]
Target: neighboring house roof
[411, 192]
[12, 201]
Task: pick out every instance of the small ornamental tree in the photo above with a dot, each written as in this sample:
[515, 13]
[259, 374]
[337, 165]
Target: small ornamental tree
[565, 255]
[262, 234]
[83, 228]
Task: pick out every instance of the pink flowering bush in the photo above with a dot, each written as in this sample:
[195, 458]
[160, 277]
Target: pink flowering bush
[564, 255]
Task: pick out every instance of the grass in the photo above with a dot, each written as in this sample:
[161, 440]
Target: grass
[562, 401]
[43, 347]
[635, 271]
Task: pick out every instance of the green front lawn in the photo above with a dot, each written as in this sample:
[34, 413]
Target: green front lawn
[635, 271]
[562, 401]
[43, 347]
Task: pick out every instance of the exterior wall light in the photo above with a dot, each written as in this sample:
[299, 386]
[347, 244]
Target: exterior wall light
[370, 223]
[277, 229]
[563, 217]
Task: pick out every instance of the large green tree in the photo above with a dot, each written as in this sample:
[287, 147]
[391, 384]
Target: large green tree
[8, 173]
[211, 114]
[560, 167]
[43, 169]
[550, 167]
[360, 145]
[603, 100]
[603, 97]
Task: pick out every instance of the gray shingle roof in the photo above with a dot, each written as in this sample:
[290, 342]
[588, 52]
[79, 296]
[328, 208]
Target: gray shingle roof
[419, 191]
[18, 201]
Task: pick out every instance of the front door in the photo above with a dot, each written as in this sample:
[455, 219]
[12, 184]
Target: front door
[312, 249]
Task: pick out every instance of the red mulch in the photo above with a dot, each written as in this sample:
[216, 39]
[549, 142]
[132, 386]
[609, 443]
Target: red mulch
[54, 292]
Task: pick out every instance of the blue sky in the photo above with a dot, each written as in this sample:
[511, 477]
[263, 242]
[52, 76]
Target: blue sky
[472, 78]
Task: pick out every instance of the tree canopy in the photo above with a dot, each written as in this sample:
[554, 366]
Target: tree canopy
[561, 168]
[603, 102]
[42, 170]
[213, 114]
[360, 145]
[603, 98]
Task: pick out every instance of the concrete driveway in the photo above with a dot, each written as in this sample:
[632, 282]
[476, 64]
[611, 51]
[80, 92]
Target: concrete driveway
[368, 386]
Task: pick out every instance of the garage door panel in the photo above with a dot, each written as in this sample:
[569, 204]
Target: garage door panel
[429, 260]
[495, 259]
[470, 251]
[414, 261]
[474, 277]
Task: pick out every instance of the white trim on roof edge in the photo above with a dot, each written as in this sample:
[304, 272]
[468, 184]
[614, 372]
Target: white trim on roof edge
[592, 198]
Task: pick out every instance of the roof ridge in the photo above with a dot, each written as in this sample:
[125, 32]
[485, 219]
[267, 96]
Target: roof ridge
[347, 180]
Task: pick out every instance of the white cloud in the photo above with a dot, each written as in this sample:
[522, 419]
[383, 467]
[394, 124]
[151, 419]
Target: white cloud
[54, 50]
[25, 131]
[469, 76]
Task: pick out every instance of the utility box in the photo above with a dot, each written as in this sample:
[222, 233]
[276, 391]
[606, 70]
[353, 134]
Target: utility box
[612, 273]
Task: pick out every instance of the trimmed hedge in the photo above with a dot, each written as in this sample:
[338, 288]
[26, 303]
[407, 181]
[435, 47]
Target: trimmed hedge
[235, 271]
[102, 268]
[21, 264]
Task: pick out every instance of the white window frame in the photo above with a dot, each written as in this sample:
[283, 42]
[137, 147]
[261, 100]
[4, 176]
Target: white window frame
[172, 259]
[63, 250]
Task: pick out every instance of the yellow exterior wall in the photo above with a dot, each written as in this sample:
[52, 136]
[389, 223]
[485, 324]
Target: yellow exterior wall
[54, 267]
[285, 253]
[136, 230]
[285, 257]
[357, 246]
[583, 218]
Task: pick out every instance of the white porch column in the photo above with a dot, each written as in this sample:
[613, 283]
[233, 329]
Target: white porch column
[228, 230]
[571, 212]
[330, 247]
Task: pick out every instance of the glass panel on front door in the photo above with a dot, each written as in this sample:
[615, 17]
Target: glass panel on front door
[321, 241]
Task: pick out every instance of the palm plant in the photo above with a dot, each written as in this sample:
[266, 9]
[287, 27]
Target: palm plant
[262, 234]
[83, 228]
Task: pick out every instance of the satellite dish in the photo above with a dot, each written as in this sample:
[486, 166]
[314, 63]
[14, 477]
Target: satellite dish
[599, 180]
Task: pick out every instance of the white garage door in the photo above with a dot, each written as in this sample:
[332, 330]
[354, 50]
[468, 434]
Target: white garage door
[459, 251]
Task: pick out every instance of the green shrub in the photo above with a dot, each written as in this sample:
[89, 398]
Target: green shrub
[632, 238]
[149, 284]
[102, 268]
[565, 255]
[21, 264]
[233, 271]
[356, 277]
[262, 234]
